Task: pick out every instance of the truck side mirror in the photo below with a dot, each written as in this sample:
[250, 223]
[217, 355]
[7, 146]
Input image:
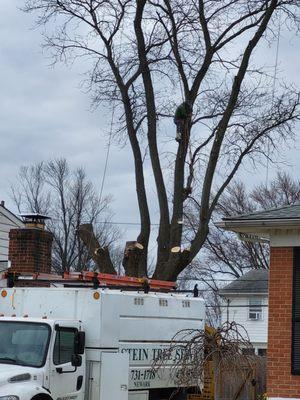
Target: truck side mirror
[76, 360]
[79, 344]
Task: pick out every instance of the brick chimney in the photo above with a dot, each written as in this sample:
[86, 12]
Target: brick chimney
[30, 247]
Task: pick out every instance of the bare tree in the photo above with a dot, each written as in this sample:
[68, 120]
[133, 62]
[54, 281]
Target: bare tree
[66, 196]
[190, 352]
[224, 256]
[30, 189]
[142, 54]
[208, 288]
[223, 253]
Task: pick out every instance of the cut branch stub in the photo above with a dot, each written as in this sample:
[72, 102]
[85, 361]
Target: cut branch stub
[132, 254]
[176, 249]
[99, 254]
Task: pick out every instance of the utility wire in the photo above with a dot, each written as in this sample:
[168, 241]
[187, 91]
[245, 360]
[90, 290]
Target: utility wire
[111, 222]
[122, 223]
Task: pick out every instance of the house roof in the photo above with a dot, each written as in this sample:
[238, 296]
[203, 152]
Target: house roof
[8, 221]
[263, 223]
[255, 281]
[286, 212]
[10, 216]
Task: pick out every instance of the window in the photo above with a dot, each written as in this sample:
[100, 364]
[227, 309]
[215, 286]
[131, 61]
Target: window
[262, 352]
[64, 345]
[248, 352]
[255, 309]
[24, 343]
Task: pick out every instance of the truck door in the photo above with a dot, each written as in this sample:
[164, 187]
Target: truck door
[66, 380]
[114, 375]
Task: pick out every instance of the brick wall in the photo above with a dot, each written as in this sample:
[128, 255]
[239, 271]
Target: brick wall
[30, 250]
[280, 381]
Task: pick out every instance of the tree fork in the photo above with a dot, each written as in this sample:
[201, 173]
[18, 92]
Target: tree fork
[144, 235]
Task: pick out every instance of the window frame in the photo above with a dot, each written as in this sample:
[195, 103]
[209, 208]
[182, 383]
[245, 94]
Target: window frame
[66, 329]
[260, 306]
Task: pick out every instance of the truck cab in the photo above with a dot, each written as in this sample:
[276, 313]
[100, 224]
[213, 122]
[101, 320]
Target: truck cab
[39, 357]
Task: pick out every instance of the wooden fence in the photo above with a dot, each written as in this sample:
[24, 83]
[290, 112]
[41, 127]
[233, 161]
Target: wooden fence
[250, 384]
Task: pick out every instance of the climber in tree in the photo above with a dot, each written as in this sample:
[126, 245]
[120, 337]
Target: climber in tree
[183, 114]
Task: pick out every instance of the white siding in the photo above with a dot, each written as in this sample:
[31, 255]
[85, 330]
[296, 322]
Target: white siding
[257, 330]
[8, 221]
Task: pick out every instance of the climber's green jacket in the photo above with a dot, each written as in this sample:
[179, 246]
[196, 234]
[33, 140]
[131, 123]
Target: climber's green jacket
[183, 111]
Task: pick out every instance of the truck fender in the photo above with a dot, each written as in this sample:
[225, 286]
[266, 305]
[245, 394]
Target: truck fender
[26, 392]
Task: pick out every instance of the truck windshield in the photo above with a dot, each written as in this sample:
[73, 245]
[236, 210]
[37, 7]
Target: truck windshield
[23, 343]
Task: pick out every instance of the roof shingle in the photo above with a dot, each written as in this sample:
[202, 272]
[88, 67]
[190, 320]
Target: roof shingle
[254, 281]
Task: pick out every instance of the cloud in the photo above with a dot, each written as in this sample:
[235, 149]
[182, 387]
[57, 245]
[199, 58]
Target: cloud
[42, 111]
[44, 114]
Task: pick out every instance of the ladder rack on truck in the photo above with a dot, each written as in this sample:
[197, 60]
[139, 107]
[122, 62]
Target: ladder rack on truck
[91, 278]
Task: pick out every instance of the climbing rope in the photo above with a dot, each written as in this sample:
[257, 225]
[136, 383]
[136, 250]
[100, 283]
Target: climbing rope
[273, 89]
[108, 146]
[107, 152]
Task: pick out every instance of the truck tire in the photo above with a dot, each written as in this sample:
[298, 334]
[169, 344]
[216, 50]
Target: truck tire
[42, 397]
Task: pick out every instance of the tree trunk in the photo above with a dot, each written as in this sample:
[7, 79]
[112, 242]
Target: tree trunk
[168, 269]
[144, 235]
[131, 260]
[99, 254]
[164, 224]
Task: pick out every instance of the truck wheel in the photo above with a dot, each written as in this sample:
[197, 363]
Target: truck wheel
[42, 397]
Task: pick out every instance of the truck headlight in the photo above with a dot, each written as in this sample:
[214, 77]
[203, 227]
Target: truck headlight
[19, 378]
[9, 398]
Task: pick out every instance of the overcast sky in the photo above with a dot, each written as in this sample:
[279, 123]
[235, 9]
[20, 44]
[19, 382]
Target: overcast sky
[44, 114]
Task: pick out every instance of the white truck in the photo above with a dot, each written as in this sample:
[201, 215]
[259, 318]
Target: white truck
[87, 344]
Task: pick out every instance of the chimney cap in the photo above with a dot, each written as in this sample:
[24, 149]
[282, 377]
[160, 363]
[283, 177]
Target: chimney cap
[33, 217]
